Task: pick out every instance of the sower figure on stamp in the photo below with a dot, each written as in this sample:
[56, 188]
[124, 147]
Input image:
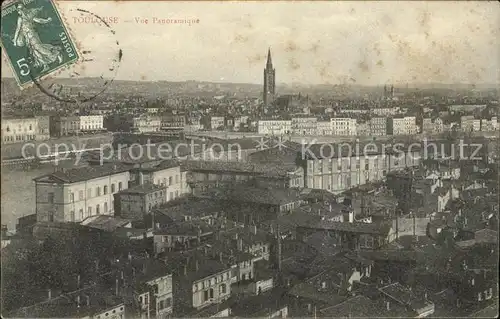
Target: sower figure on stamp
[43, 54]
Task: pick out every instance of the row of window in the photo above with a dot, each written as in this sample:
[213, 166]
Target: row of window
[30, 128]
[90, 211]
[167, 303]
[97, 192]
[170, 181]
[209, 294]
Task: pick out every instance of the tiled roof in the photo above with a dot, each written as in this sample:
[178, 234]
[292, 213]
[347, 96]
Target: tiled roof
[245, 194]
[364, 228]
[81, 174]
[142, 189]
[108, 223]
[267, 170]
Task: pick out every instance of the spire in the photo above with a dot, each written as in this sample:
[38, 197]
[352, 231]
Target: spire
[269, 64]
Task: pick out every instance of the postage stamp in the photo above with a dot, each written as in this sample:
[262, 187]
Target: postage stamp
[35, 40]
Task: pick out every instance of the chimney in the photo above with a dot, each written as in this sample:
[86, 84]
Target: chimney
[114, 167]
[116, 286]
[388, 305]
[49, 294]
[129, 257]
[220, 257]
[197, 265]
[88, 300]
[185, 270]
[78, 301]
[97, 265]
[144, 268]
[78, 281]
[133, 272]
[330, 207]
[351, 217]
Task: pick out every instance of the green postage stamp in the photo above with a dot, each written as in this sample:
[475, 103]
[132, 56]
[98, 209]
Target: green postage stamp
[35, 40]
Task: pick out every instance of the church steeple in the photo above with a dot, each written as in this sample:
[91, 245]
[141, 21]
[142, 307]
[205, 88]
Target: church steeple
[269, 81]
[269, 64]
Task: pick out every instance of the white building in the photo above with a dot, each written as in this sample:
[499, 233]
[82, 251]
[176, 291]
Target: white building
[385, 111]
[91, 122]
[145, 124]
[75, 194]
[274, 127]
[16, 130]
[217, 122]
[343, 126]
[304, 125]
[324, 128]
[406, 125]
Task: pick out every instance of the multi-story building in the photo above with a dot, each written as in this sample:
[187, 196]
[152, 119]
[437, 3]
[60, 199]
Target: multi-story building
[173, 122]
[324, 128]
[75, 194]
[304, 125]
[275, 127]
[194, 123]
[64, 125]
[405, 125]
[91, 123]
[43, 132]
[385, 111]
[343, 126]
[469, 124]
[432, 125]
[16, 130]
[378, 126]
[363, 129]
[489, 125]
[166, 174]
[162, 296]
[136, 202]
[217, 122]
[145, 124]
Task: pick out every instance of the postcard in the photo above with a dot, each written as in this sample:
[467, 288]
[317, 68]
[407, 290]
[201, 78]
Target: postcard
[188, 159]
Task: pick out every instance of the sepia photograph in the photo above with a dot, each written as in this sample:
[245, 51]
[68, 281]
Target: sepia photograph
[249, 159]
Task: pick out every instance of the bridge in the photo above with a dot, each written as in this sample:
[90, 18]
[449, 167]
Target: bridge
[52, 156]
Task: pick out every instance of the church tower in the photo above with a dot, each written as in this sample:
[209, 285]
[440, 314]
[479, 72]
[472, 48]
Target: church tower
[269, 81]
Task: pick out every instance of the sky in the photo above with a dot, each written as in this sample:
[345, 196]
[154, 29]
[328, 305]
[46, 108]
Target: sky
[367, 43]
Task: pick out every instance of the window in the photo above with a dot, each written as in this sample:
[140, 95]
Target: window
[161, 304]
[211, 293]
[105, 207]
[105, 189]
[168, 302]
[205, 295]
[119, 186]
[50, 198]
[72, 215]
[222, 289]
[98, 191]
[367, 165]
[170, 180]
[80, 195]
[112, 188]
[89, 193]
[164, 182]
[479, 296]
[90, 211]
[146, 299]
[97, 209]
[71, 197]
[81, 214]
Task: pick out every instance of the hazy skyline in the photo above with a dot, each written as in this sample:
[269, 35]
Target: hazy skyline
[367, 43]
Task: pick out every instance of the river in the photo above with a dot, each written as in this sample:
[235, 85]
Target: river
[18, 191]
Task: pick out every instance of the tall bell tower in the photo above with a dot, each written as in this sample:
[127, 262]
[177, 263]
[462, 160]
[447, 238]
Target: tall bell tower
[269, 81]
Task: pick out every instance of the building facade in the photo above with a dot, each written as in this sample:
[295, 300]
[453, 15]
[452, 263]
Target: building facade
[136, 202]
[343, 126]
[75, 194]
[324, 128]
[17, 130]
[173, 122]
[304, 125]
[146, 124]
[378, 126]
[406, 125]
[91, 123]
[274, 127]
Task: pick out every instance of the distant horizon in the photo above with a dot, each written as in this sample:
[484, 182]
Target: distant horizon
[410, 84]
